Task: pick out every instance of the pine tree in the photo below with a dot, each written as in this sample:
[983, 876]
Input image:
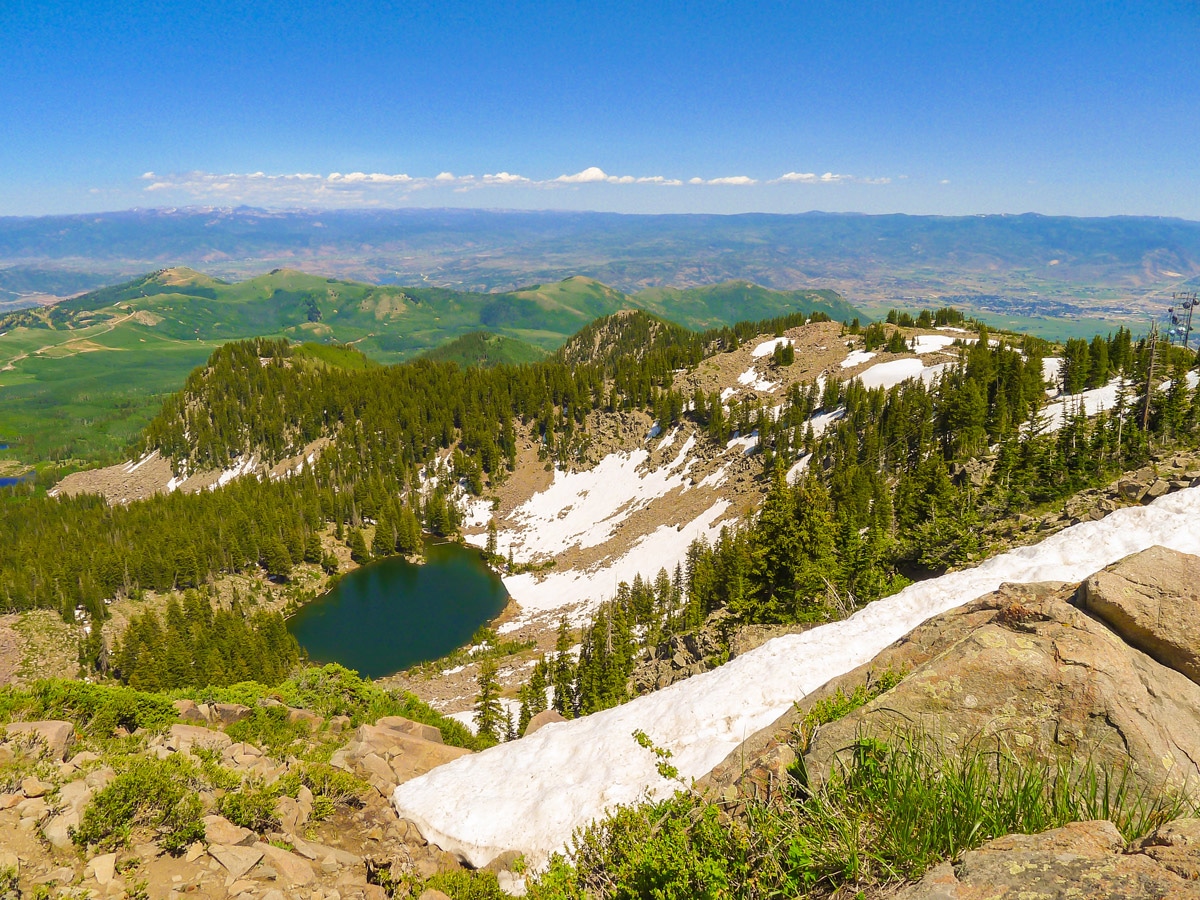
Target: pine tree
[563, 675]
[489, 715]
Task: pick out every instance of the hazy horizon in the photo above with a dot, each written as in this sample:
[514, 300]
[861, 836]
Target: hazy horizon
[1063, 108]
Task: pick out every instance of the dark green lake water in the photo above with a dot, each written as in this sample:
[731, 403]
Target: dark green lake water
[391, 614]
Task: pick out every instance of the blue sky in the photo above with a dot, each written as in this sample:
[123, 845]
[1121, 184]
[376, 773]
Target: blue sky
[1086, 108]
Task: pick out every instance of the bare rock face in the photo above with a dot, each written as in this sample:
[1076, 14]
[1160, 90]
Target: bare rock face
[1044, 679]
[393, 751]
[1081, 861]
[1152, 600]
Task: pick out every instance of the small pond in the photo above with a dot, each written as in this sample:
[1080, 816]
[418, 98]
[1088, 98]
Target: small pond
[391, 614]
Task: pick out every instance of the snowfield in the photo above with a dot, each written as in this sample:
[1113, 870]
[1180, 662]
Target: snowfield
[584, 509]
[531, 794]
[586, 589]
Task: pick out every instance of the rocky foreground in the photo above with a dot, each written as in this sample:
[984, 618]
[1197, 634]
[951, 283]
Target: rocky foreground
[298, 853]
[1106, 670]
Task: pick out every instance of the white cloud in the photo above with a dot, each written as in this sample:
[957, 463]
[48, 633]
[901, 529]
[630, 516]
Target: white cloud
[374, 188]
[505, 178]
[827, 178]
[587, 176]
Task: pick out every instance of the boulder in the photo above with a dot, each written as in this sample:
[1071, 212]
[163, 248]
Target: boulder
[226, 714]
[1043, 679]
[72, 799]
[545, 717]
[184, 737]
[389, 754]
[219, 830]
[309, 718]
[1152, 600]
[407, 726]
[1081, 860]
[55, 736]
[1176, 847]
[189, 711]
[290, 868]
[291, 815]
[103, 868]
[236, 860]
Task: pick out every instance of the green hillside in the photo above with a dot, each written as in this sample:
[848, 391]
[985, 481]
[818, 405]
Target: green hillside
[80, 379]
[738, 301]
[482, 348]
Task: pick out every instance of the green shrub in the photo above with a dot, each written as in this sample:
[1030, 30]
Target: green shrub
[463, 885]
[252, 806]
[890, 812]
[98, 709]
[157, 794]
[334, 690]
[330, 787]
[839, 705]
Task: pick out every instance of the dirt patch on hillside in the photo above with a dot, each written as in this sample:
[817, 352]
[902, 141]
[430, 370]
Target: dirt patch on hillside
[10, 648]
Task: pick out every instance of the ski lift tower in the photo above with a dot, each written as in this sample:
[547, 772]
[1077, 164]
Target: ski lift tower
[1180, 314]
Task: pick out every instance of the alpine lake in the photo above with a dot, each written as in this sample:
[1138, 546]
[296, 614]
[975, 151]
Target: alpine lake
[391, 614]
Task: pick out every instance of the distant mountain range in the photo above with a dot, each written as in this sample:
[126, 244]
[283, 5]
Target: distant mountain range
[1024, 264]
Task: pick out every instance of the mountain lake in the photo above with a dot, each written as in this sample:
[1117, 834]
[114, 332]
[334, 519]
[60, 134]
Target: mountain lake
[391, 614]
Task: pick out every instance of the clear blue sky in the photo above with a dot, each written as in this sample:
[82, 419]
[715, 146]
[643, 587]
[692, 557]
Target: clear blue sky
[1087, 108]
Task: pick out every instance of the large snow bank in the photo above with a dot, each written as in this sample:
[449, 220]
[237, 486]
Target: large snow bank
[531, 794]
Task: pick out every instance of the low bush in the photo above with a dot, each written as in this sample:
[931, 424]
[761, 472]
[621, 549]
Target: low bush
[93, 708]
[156, 794]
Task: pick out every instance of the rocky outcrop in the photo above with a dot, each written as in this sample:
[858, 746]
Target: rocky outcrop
[1043, 679]
[1152, 601]
[1081, 861]
[393, 751]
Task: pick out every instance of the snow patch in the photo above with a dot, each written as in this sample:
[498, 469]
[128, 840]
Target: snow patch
[766, 348]
[1054, 415]
[931, 343]
[747, 443]
[663, 547]
[888, 374]
[246, 465]
[529, 795]
[857, 358]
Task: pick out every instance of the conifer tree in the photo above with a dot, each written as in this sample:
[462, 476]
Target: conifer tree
[489, 715]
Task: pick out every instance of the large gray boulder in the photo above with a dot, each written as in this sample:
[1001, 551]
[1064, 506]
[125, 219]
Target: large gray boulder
[1082, 861]
[1152, 600]
[1045, 680]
